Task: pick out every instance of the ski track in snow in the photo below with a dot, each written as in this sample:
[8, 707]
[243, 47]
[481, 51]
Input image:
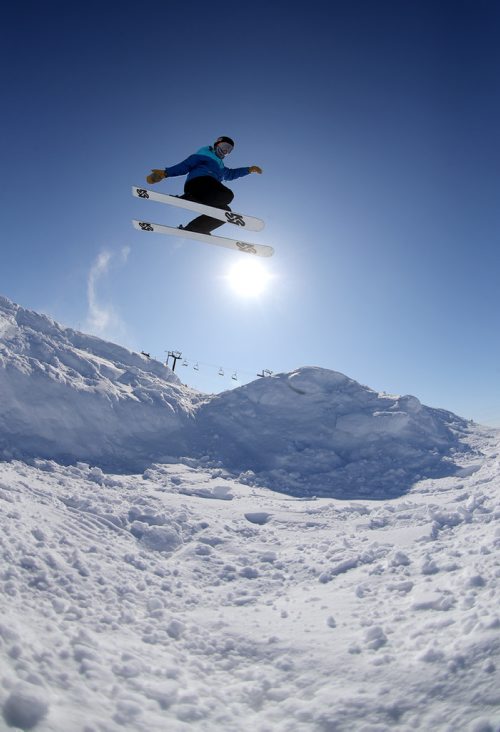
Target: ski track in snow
[299, 554]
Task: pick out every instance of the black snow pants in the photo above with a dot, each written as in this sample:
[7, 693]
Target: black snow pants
[209, 191]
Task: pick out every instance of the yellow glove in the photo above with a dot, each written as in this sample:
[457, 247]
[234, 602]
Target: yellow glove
[255, 169]
[156, 176]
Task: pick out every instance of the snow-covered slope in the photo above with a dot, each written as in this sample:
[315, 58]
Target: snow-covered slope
[68, 396]
[190, 596]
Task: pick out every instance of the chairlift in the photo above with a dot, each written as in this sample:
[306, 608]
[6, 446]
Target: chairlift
[196, 367]
[234, 376]
[185, 363]
[221, 371]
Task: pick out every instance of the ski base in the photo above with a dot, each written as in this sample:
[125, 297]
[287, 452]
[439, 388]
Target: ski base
[229, 217]
[259, 250]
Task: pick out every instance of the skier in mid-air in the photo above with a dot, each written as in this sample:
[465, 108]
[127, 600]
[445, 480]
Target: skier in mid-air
[205, 172]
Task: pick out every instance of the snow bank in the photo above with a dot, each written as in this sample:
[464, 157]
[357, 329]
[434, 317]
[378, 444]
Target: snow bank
[68, 396]
[318, 432]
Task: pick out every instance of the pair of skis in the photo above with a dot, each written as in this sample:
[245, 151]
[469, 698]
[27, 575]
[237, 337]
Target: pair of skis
[249, 222]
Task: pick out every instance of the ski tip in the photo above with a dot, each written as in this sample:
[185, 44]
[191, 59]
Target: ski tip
[140, 192]
[142, 225]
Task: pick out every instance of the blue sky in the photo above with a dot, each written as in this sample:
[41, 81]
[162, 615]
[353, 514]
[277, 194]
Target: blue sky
[376, 124]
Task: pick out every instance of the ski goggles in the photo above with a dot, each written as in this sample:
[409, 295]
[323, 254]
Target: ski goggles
[224, 147]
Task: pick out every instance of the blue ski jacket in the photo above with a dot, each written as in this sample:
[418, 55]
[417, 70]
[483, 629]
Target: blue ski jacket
[205, 162]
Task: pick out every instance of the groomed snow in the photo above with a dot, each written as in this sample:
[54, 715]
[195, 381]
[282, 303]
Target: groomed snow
[211, 590]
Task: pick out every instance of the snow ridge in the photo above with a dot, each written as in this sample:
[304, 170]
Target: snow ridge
[69, 396]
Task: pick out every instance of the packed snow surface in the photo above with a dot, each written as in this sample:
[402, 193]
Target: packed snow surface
[176, 561]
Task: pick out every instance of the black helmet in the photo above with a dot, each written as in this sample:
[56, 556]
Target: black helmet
[224, 139]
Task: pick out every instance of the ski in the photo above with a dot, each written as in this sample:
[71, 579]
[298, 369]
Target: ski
[229, 217]
[260, 250]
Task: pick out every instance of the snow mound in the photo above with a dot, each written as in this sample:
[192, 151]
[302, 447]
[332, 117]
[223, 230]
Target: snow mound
[318, 432]
[71, 397]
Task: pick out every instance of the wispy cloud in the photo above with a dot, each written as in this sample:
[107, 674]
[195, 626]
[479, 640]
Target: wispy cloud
[102, 318]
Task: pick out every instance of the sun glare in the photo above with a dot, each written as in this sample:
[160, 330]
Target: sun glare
[248, 278]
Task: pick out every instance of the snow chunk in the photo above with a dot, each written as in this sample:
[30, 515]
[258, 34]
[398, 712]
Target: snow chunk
[375, 637]
[157, 538]
[25, 708]
[474, 581]
[175, 629]
[270, 557]
[400, 559]
[217, 492]
[432, 655]
[433, 601]
[258, 517]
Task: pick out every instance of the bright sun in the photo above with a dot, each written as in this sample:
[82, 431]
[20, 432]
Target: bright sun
[248, 278]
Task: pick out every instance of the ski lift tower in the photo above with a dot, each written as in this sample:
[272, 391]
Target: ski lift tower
[175, 356]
